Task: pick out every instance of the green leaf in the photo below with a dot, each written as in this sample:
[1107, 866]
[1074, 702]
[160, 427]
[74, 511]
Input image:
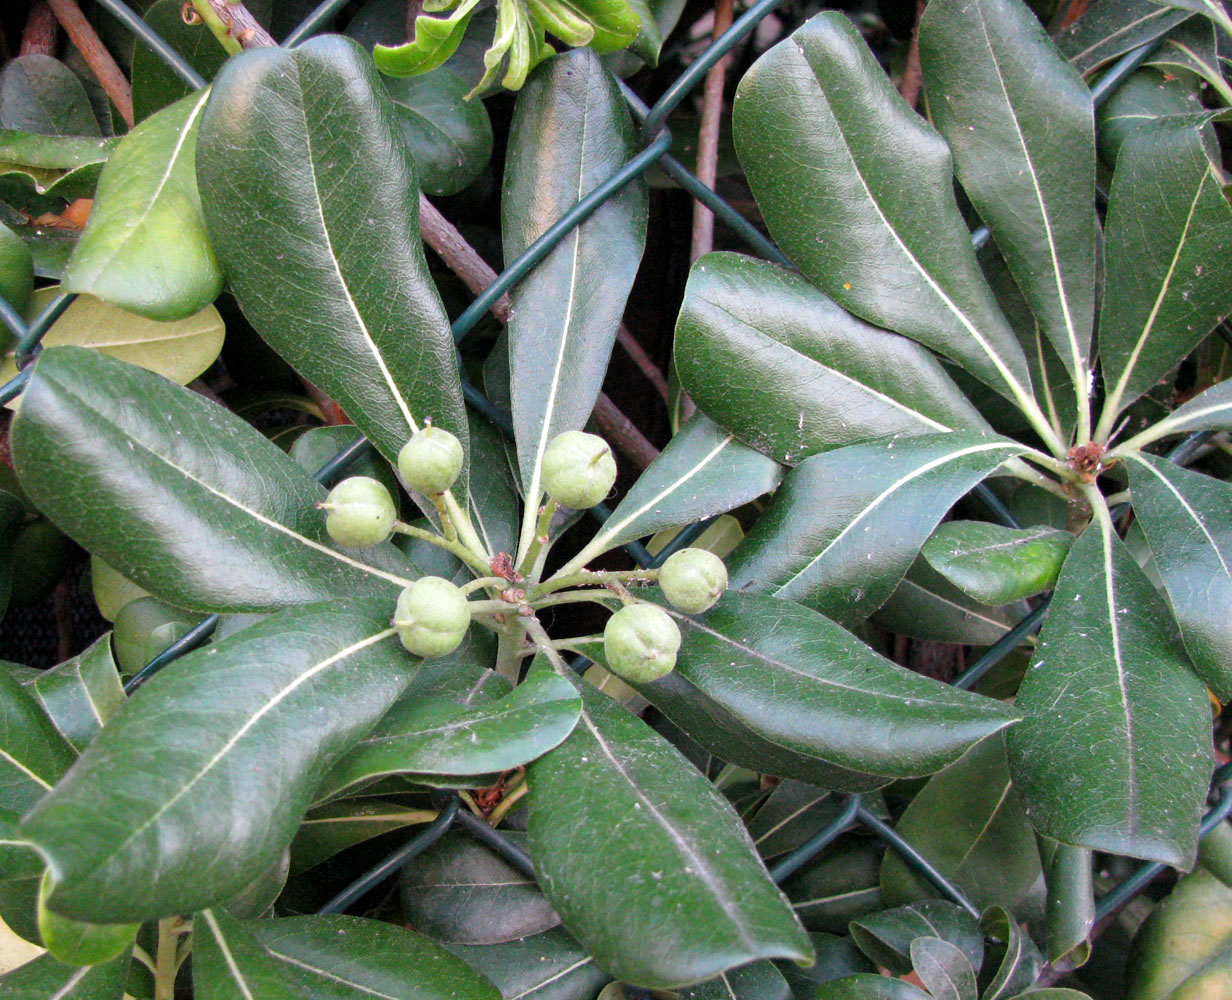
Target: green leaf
[790, 815]
[681, 846]
[233, 528]
[997, 565]
[1017, 960]
[968, 822]
[1168, 230]
[1209, 410]
[145, 247]
[883, 499]
[1193, 49]
[155, 84]
[179, 350]
[886, 937]
[927, 606]
[16, 269]
[338, 825]
[548, 966]
[759, 981]
[1110, 28]
[703, 471]
[865, 986]
[435, 40]
[76, 943]
[52, 152]
[1070, 908]
[839, 888]
[1212, 9]
[1187, 518]
[439, 736]
[1020, 123]
[819, 705]
[894, 249]
[33, 755]
[46, 977]
[229, 962]
[836, 957]
[241, 733]
[348, 958]
[566, 311]
[495, 504]
[1110, 672]
[81, 694]
[460, 891]
[449, 137]
[943, 969]
[769, 357]
[1141, 102]
[1184, 950]
[338, 285]
[41, 94]
[21, 872]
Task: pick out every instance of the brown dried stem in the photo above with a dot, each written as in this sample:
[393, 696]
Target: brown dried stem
[913, 76]
[92, 50]
[708, 135]
[39, 36]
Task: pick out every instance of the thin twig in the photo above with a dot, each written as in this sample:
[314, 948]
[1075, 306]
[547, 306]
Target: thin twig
[239, 24]
[913, 76]
[708, 135]
[92, 50]
[39, 36]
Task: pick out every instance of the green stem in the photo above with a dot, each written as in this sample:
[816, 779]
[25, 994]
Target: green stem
[599, 578]
[484, 581]
[1021, 470]
[443, 511]
[217, 28]
[165, 964]
[539, 545]
[456, 547]
[574, 596]
[516, 789]
[544, 643]
[509, 642]
[466, 531]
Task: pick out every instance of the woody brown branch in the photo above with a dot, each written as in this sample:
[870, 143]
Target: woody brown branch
[82, 34]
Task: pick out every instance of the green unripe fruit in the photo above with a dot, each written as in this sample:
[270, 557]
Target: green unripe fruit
[640, 643]
[693, 580]
[431, 461]
[359, 512]
[431, 617]
[578, 469]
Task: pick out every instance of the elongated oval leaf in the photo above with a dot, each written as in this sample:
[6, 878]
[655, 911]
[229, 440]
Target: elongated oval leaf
[864, 203]
[1109, 28]
[549, 966]
[807, 685]
[927, 606]
[886, 937]
[1020, 123]
[1187, 518]
[145, 248]
[338, 825]
[1141, 101]
[846, 525]
[758, 981]
[1209, 410]
[866, 986]
[1111, 672]
[33, 755]
[1018, 961]
[325, 258]
[769, 357]
[46, 977]
[681, 848]
[41, 94]
[449, 137]
[1169, 230]
[77, 943]
[943, 969]
[203, 510]
[21, 874]
[229, 962]
[439, 736]
[994, 564]
[241, 733]
[566, 311]
[16, 269]
[80, 694]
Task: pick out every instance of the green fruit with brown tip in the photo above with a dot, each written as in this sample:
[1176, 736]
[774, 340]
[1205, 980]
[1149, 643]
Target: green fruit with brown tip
[578, 469]
[693, 580]
[359, 512]
[640, 643]
[431, 461]
[431, 617]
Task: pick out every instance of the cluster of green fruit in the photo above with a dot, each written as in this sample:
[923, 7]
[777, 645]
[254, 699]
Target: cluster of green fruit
[432, 615]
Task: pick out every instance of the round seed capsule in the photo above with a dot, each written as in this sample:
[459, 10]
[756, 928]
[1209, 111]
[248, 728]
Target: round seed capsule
[578, 469]
[640, 642]
[359, 512]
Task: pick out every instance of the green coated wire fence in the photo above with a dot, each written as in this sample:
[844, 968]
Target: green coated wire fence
[656, 141]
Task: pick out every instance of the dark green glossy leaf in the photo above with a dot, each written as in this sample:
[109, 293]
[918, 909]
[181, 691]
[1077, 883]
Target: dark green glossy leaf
[1110, 671]
[229, 963]
[927, 606]
[349, 958]
[1110, 28]
[1212, 9]
[566, 311]
[339, 286]
[839, 888]
[318, 445]
[1193, 50]
[449, 137]
[967, 821]
[886, 241]
[40, 152]
[1070, 907]
[845, 556]
[682, 850]
[16, 269]
[33, 755]
[759, 981]
[495, 505]
[155, 84]
[703, 471]
[790, 815]
[1140, 103]
[41, 94]
[886, 937]
[802, 684]
[550, 966]
[1020, 123]
[46, 978]
[145, 247]
[81, 694]
[997, 565]
[1184, 950]
[836, 957]
[338, 825]
[943, 969]
[869, 987]
[460, 891]
[21, 872]
[226, 521]
[241, 732]
[769, 357]
[1209, 410]
[76, 943]
[1169, 231]
[439, 736]
[1018, 961]
[1187, 518]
